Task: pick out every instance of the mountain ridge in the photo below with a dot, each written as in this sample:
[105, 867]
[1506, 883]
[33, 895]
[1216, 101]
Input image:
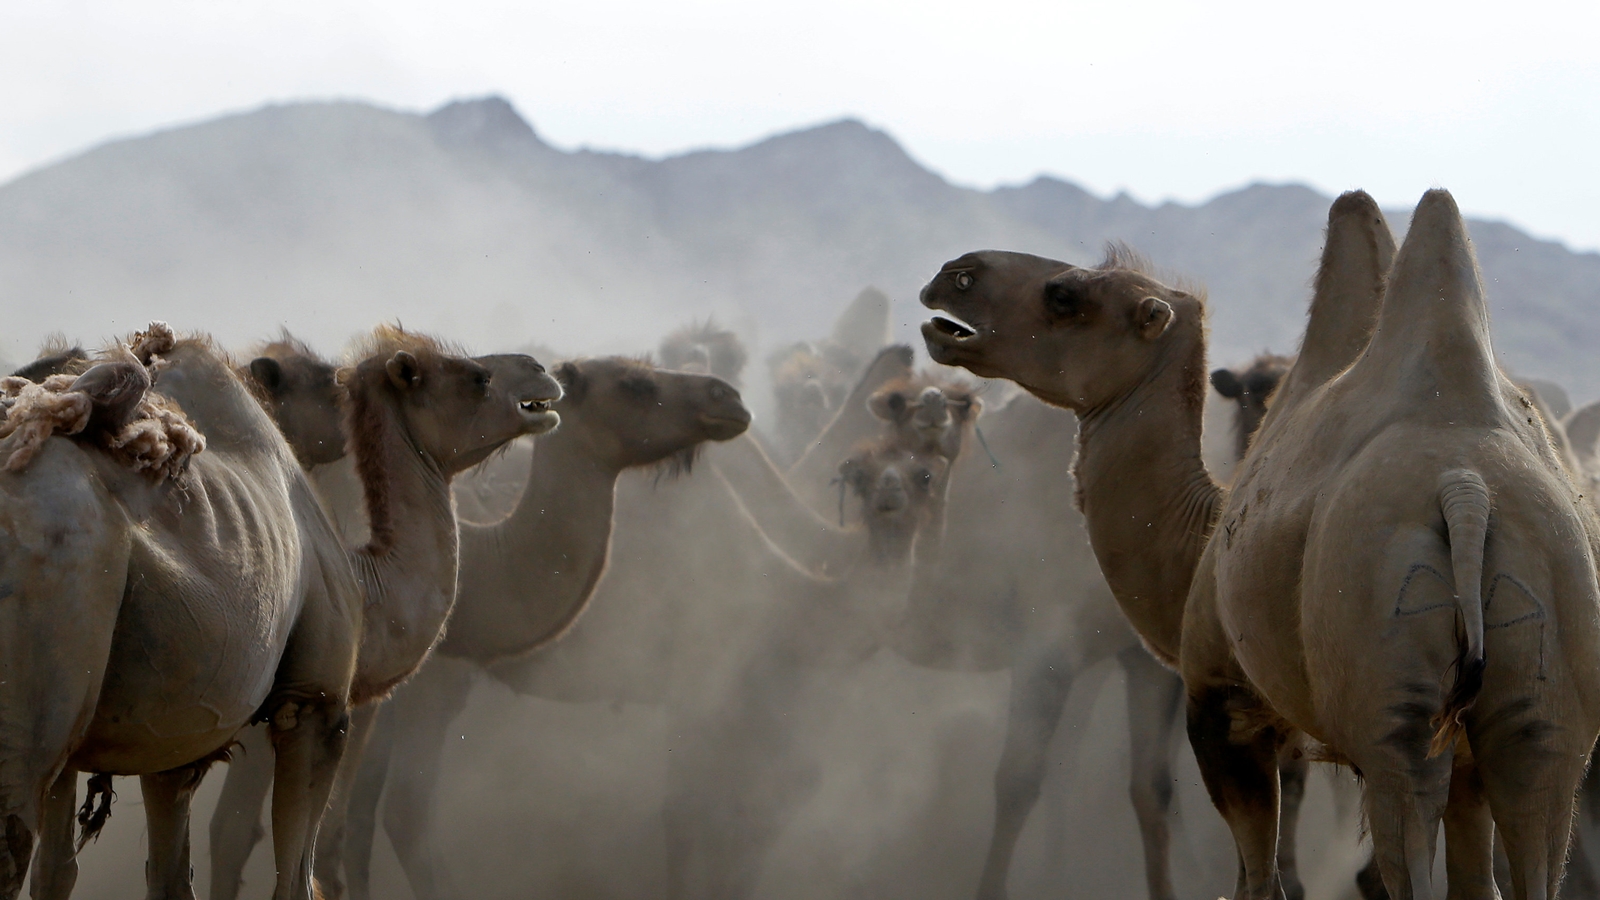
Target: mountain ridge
[329, 216]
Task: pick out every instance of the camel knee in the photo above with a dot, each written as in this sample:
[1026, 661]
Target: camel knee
[1151, 796]
[1017, 788]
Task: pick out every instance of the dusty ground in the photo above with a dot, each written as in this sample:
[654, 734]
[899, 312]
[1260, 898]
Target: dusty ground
[548, 799]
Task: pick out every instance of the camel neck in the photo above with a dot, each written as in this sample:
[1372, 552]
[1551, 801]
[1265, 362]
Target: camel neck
[408, 569]
[525, 579]
[1145, 493]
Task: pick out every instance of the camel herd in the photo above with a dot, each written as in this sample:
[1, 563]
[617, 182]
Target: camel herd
[302, 569]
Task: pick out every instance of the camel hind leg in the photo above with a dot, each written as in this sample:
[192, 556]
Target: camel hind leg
[1406, 790]
[236, 821]
[1531, 771]
[1468, 832]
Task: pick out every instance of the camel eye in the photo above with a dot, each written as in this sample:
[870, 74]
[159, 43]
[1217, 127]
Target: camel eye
[481, 380]
[963, 280]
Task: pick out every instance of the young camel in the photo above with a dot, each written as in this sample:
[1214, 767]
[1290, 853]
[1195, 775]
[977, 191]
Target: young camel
[524, 580]
[264, 584]
[1360, 530]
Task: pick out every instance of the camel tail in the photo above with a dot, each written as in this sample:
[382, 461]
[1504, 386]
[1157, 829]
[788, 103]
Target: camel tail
[92, 816]
[1464, 500]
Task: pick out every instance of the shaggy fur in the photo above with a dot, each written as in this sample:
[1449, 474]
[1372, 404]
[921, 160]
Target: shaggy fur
[156, 440]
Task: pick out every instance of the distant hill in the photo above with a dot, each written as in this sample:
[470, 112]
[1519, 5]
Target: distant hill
[326, 217]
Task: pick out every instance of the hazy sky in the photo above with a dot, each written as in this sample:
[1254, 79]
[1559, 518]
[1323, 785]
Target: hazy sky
[1499, 102]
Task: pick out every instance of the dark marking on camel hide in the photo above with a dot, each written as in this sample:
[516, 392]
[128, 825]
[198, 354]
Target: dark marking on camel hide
[1415, 599]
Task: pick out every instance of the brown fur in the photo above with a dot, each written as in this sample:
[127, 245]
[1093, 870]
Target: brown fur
[367, 421]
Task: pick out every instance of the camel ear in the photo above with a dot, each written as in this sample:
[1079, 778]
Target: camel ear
[267, 373]
[1227, 384]
[889, 406]
[573, 384]
[1153, 318]
[404, 370]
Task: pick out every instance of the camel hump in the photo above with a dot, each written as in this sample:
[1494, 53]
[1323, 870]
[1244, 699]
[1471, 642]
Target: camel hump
[1356, 255]
[864, 325]
[1583, 430]
[1433, 331]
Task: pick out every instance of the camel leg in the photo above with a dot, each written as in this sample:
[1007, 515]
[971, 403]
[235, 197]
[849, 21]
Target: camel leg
[1369, 881]
[1292, 770]
[236, 822]
[331, 836]
[1582, 881]
[1530, 785]
[423, 708]
[361, 814]
[1153, 695]
[1468, 835]
[55, 868]
[1240, 769]
[1039, 688]
[307, 738]
[1406, 796]
[167, 796]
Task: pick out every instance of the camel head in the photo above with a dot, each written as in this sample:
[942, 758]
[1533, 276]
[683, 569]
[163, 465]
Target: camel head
[926, 417]
[301, 392]
[897, 490]
[456, 410]
[1251, 389]
[808, 390]
[629, 413]
[1076, 337]
[704, 348]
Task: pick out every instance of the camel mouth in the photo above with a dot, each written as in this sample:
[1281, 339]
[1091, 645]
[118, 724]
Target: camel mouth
[538, 417]
[953, 328]
[723, 428]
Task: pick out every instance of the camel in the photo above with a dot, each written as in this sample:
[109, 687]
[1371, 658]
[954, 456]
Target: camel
[1032, 599]
[273, 605]
[1359, 530]
[811, 379]
[929, 415]
[1250, 389]
[704, 348]
[618, 414]
[300, 391]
